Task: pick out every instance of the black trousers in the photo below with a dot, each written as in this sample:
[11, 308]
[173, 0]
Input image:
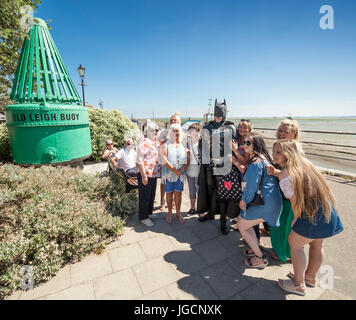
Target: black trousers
[146, 197]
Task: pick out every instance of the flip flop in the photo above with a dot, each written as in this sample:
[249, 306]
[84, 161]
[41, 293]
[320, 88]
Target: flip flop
[290, 275]
[289, 286]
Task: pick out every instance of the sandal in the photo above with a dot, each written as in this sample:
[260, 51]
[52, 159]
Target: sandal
[261, 265]
[169, 218]
[235, 228]
[289, 286]
[191, 212]
[162, 208]
[247, 254]
[308, 283]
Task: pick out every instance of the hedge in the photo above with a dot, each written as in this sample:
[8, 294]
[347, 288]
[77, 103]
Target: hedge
[53, 216]
[5, 152]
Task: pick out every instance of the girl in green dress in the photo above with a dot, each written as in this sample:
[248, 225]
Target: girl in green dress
[287, 129]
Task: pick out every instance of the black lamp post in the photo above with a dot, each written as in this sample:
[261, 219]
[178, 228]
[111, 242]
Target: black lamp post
[81, 71]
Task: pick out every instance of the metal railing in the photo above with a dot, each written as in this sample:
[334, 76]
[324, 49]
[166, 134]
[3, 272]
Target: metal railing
[322, 143]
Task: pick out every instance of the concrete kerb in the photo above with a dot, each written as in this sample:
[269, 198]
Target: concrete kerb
[338, 173]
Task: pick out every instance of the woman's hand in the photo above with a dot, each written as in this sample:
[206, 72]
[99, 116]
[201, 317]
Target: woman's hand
[235, 146]
[177, 172]
[144, 180]
[272, 171]
[242, 205]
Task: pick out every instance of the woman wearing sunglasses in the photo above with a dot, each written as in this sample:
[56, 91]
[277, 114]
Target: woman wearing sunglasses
[175, 159]
[110, 149]
[254, 212]
[149, 171]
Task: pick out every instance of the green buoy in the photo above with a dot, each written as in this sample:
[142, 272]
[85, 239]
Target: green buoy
[47, 124]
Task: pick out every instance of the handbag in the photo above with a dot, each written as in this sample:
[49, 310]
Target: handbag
[258, 198]
[229, 185]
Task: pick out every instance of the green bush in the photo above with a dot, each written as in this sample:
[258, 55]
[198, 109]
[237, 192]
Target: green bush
[5, 153]
[53, 216]
[111, 125]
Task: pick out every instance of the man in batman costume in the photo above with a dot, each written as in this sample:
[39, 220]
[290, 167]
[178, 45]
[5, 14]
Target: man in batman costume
[207, 181]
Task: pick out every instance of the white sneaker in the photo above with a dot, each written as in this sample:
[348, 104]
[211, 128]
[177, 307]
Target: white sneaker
[153, 216]
[147, 222]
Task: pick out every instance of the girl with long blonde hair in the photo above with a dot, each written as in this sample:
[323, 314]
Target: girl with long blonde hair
[314, 211]
[287, 129]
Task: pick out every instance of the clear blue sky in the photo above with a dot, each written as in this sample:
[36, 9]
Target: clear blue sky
[265, 57]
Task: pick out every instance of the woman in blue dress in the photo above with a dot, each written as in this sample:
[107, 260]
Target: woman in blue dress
[257, 179]
[315, 216]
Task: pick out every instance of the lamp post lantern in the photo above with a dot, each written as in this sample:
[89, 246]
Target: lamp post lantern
[81, 71]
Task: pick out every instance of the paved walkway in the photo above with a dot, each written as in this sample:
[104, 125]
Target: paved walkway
[171, 262]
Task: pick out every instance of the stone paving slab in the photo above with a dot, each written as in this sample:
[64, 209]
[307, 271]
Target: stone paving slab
[121, 285]
[84, 291]
[157, 246]
[225, 281]
[191, 288]
[127, 256]
[154, 274]
[90, 268]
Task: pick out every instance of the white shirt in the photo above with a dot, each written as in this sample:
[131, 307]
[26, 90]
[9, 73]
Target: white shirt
[127, 159]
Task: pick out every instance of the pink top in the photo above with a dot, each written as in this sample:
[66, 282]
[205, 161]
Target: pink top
[148, 154]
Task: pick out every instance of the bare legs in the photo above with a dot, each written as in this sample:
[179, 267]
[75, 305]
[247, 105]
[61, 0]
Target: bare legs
[162, 197]
[178, 201]
[192, 203]
[249, 235]
[316, 255]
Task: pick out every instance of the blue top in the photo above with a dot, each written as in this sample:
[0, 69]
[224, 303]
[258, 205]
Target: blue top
[271, 210]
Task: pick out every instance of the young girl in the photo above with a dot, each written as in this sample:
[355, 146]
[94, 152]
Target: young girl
[287, 129]
[314, 213]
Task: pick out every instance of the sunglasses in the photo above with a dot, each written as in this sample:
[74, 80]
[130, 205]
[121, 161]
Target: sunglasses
[109, 144]
[247, 143]
[243, 120]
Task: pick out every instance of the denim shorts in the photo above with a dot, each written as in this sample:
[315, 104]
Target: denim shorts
[173, 186]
